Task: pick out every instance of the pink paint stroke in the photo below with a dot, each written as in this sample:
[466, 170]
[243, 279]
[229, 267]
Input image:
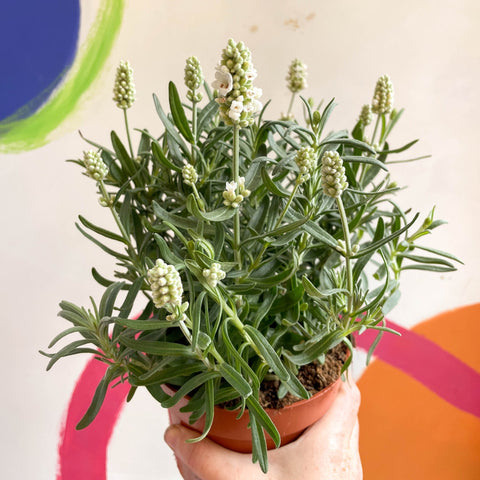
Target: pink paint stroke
[83, 453]
[428, 363]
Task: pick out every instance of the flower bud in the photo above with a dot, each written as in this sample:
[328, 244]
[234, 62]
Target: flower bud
[305, 160]
[297, 76]
[383, 96]
[190, 175]
[193, 79]
[166, 285]
[94, 165]
[230, 195]
[124, 89]
[334, 181]
[366, 115]
[213, 274]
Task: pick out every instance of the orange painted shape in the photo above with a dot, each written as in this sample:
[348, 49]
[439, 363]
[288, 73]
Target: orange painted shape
[408, 432]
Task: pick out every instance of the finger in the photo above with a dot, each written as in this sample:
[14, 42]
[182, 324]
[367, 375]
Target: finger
[208, 460]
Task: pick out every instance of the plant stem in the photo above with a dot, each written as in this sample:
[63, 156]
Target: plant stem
[194, 130]
[348, 252]
[128, 132]
[236, 170]
[377, 123]
[125, 235]
[291, 104]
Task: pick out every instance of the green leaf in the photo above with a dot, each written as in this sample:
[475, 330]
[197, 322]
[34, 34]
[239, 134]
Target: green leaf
[438, 252]
[209, 411]
[196, 318]
[401, 149]
[263, 419]
[259, 444]
[108, 299]
[349, 142]
[166, 252]
[169, 127]
[159, 348]
[314, 350]
[106, 249]
[162, 375]
[98, 397]
[206, 115]
[235, 379]
[178, 113]
[426, 260]
[188, 386]
[232, 350]
[362, 262]
[367, 160]
[219, 215]
[143, 325]
[161, 158]
[123, 156]
[429, 268]
[68, 331]
[274, 188]
[376, 245]
[127, 304]
[101, 231]
[268, 353]
[70, 349]
[314, 292]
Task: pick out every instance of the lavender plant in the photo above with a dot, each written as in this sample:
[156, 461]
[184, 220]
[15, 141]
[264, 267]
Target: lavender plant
[256, 245]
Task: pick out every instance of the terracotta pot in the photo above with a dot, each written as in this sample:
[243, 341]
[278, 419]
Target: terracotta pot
[234, 434]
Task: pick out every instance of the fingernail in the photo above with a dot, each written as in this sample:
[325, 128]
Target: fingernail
[171, 436]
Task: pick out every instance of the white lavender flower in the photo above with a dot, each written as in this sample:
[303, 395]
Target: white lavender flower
[334, 181]
[190, 175]
[230, 195]
[213, 274]
[94, 165]
[124, 89]
[223, 80]
[297, 76]
[193, 79]
[166, 285]
[236, 95]
[244, 192]
[383, 96]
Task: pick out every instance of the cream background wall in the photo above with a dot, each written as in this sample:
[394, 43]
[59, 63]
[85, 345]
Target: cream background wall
[429, 48]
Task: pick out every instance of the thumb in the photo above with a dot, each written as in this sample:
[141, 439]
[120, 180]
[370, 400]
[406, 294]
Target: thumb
[208, 460]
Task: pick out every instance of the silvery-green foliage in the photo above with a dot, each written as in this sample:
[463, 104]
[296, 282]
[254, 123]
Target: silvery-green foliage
[245, 265]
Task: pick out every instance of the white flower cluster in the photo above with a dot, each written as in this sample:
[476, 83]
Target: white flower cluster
[94, 165]
[213, 274]
[193, 79]
[305, 160]
[166, 285]
[297, 76]
[232, 198]
[383, 96]
[366, 115]
[190, 175]
[334, 181]
[236, 95]
[124, 89]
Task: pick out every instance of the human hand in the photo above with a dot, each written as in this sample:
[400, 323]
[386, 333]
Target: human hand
[328, 450]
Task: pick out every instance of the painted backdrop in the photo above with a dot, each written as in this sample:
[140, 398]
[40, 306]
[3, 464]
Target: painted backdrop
[58, 63]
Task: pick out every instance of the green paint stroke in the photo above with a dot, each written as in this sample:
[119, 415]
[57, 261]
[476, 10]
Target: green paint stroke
[32, 132]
